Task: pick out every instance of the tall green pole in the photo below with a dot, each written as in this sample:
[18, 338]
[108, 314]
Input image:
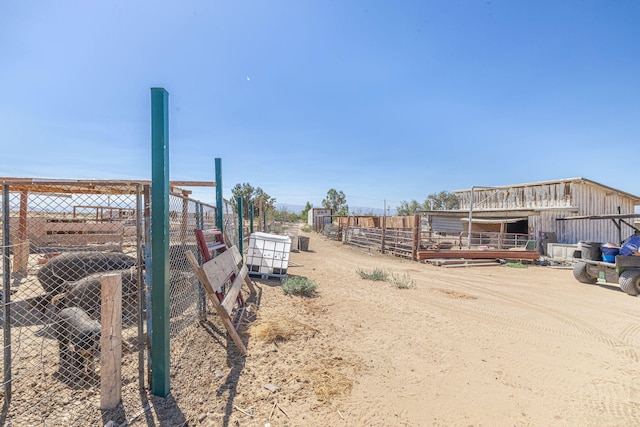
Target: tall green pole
[160, 242]
[251, 218]
[219, 199]
[240, 230]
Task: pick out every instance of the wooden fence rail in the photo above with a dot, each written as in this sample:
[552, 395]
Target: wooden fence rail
[397, 242]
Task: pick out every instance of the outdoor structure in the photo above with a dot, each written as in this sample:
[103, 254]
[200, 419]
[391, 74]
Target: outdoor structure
[60, 239]
[317, 217]
[97, 289]
[534, 209]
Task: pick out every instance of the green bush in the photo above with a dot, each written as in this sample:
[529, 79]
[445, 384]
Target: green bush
[376, 275]
[299, 285]
[306, 228]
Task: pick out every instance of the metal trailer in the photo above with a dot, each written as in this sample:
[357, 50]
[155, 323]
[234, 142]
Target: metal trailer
[625, 270]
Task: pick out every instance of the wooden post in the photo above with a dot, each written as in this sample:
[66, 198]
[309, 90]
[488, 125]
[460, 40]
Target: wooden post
[21, 255]
[384, 230]
[240, 227]
[416, 237]
[111, 341]
[185, 217]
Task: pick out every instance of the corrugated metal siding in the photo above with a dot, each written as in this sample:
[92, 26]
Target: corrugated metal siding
[446, 224]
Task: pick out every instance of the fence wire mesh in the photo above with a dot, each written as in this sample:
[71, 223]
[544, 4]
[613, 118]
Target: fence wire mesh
[230, 223]
[58, 243]
[187, 302]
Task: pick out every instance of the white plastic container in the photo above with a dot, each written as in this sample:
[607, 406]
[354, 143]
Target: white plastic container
[268, 254]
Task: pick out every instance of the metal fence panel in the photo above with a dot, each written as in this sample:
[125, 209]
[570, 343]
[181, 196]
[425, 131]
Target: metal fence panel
[184, 291]
[60, 246]
[60, 241]
[230, 224]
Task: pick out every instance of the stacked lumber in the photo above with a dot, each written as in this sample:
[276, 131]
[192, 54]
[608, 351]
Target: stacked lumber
[479, 254]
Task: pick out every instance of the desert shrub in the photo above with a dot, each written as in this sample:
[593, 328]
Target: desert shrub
[377, 275]
[299, 285]
[402, 281]
[306, 228]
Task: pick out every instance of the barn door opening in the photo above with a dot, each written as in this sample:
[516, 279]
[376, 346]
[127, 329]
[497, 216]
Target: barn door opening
[519, 227]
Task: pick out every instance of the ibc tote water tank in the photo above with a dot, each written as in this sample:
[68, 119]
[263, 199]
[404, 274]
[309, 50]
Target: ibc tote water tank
[268, 253]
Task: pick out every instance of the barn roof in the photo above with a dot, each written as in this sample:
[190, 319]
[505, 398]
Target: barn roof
[579, 180]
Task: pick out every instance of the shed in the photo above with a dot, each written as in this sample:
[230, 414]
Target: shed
[534, 208]
[315, 213]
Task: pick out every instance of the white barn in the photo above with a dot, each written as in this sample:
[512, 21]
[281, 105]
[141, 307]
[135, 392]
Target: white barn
[535, 207]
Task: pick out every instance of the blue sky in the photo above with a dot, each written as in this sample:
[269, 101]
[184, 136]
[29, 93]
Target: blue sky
[384, 100]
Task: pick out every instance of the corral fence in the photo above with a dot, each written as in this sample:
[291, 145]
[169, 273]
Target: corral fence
[395, 235]
[59, 240]
[404, 236]
[430, 239]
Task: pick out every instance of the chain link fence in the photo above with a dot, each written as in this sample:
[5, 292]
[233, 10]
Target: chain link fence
[230, 224]
[188, 303]
[59, 241]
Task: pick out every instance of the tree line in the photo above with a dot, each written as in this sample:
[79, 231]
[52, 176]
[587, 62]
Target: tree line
[334, 200]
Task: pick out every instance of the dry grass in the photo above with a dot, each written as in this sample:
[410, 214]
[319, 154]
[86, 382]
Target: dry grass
[328, 380]
[277, 329]
[328, 376]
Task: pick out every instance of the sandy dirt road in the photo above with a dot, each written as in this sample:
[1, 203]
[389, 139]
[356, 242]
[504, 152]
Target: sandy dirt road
[484, 346]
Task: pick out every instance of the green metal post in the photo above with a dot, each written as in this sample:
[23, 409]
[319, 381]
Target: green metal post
[160, 241]
[240, 230]
[219, 199]
[251, 218]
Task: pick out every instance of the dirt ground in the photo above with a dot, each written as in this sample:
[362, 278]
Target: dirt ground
[480, 346]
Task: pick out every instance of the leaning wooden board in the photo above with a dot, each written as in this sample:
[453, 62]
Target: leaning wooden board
[214, 274]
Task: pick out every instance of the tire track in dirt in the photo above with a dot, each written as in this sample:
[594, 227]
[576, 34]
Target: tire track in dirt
[548, 361]
[589, 331]
[630, 334]
[503, 329]
[607, 399]
[617, 401]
